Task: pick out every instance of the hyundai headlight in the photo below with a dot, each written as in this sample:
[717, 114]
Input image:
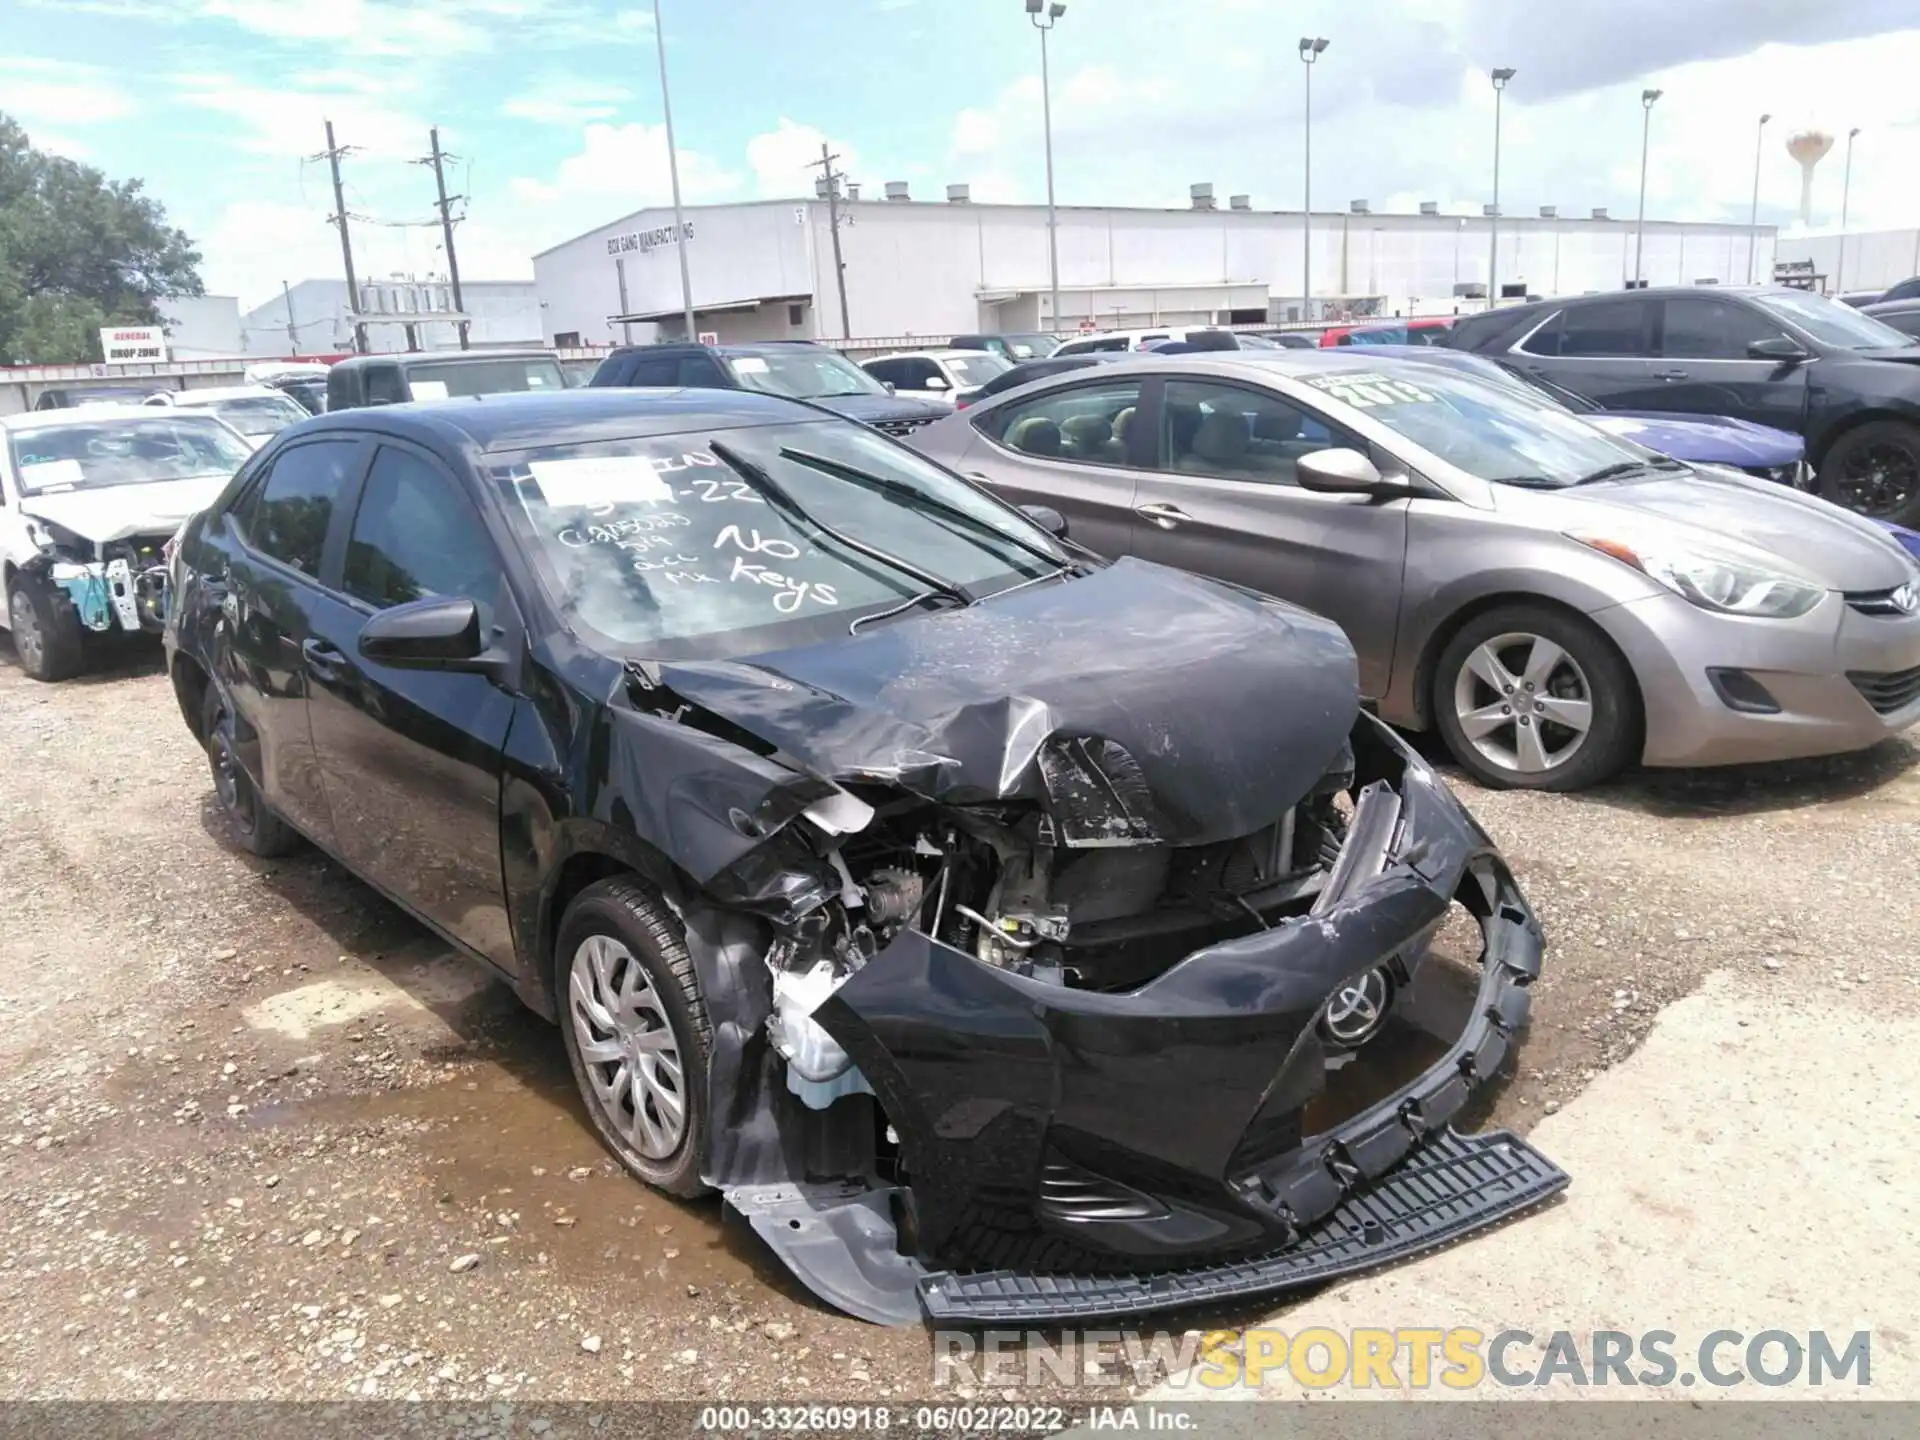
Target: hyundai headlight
[1715, 580]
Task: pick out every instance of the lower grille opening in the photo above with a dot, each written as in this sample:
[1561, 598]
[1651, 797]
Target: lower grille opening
[1887, 690]
[1738, 690]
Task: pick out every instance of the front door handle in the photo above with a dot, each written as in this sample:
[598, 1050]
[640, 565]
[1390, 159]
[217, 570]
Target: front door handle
[1165, 516]
[324, 660]
[1669, 374]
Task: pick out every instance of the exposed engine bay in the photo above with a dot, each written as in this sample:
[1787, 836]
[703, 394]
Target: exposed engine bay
[119, 583]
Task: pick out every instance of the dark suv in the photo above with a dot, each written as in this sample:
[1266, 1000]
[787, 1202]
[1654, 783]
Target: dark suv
[1786, 358]
[794, 368]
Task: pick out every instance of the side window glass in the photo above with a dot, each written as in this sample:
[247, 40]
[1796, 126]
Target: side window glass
[384, 387]
[1546, 340]
[1235, 434]
[1612, 328]
[698, 371]
[887, 372]
[924, 370]
[1711, 330]
[290, 519]
[415, 535]
[1087, 423]
[655, 370]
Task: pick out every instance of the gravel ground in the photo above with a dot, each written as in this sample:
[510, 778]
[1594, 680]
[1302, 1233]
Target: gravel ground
[261, 1137]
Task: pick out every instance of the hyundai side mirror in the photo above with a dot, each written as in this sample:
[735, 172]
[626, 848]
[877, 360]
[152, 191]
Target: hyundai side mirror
[1342, 471]
[1778, 347]
[1047, 518]
[439, 633]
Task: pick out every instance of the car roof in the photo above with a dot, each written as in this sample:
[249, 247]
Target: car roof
[1249, 364]
[39, 419]
[524, 419]
[189, 398]
[945, 352]
[442, 357]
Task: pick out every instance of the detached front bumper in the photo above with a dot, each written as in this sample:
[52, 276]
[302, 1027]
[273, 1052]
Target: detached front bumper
[1074, 1153]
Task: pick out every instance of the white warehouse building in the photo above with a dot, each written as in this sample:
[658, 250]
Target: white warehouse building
[764, 269]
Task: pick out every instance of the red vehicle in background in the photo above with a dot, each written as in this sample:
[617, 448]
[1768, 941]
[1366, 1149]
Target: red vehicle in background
[1398, 332]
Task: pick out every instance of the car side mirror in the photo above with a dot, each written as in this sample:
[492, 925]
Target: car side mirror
[887, 385]
[1777, 347]
[1047, 518]
[440, 633]
[934, 382]
[1343, 472]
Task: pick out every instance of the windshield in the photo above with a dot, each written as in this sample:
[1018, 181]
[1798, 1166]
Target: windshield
[1487, 429]
[257, 414]
[804, 373]
[977, 368]
[437, 381]
[122, 450]
[1559, 394]
[1832, 323]
[662, 548]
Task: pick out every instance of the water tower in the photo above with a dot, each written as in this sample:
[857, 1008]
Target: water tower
[1808, 148]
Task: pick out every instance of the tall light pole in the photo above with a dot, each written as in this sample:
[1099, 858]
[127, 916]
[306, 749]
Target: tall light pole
[1753, 211]
[1846, 184]
[1500, 78]
[673, 172]
[1310, 51]
[1647, 97]
[1044, 16]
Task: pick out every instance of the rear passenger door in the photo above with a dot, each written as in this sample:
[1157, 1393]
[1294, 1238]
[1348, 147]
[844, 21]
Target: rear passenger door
[288, 523]
[1705, 368]
[1068, 448]
[1601, 348]
[1222, 499]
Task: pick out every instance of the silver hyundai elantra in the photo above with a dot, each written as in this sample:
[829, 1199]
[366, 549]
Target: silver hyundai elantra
[1557, 601]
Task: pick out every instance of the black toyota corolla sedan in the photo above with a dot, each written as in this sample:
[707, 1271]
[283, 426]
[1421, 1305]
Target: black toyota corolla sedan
[999, 930]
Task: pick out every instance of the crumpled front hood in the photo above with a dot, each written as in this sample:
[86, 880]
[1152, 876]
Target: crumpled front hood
[1227, 707]
[1828, 545]
[1708, 439]
[116, 511]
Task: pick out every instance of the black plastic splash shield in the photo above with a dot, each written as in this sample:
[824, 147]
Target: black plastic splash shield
[1450, 1187]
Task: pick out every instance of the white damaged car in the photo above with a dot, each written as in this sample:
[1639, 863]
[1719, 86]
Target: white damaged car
[89, 499]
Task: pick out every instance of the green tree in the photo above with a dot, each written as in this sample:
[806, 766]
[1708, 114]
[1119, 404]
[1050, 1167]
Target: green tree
[78, 252]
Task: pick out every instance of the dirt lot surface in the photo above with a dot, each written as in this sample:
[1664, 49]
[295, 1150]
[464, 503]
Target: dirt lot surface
[261, 1136]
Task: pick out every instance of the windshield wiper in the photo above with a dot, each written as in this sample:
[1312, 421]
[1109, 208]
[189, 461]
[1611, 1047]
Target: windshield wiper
[1527, 482]
[1626, 468]
[916, 496]
[775, 494]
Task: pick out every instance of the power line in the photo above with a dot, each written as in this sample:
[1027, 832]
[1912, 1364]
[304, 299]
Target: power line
[437, 159]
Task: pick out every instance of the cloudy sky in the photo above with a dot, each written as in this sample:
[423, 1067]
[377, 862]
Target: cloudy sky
[553, 108]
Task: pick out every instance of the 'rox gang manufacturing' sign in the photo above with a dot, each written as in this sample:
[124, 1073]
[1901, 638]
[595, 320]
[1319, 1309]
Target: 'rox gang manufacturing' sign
[645, 240]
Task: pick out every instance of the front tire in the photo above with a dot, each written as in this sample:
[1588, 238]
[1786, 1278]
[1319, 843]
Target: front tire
[1874, 470]
[256, 829]
[636, 1031]
[1531, 698]
[46, 633]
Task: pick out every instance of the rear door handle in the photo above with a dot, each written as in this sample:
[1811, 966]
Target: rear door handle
[1669, 374]
[324, 660]
[1165, 516]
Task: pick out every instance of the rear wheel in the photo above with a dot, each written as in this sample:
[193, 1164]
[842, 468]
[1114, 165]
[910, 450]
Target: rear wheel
[1532, 698]
[636, 1031]
[256, 829]
[1875, 470]
[46, 633]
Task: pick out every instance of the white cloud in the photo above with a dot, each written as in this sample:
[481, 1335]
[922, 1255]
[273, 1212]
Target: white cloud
[781, 158]
[563, 100]
[60, 93]
[291, 122]
[618, 168]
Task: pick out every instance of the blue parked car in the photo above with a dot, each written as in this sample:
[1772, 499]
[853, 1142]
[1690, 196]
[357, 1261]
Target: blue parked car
[1777, 455]
[1908, 538]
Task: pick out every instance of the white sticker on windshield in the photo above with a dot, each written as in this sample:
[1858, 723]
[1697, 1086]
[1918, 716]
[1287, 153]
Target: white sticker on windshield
[600, 480]
[750, 365]
[534, 382]
[429, 389]
[1366, 390]
[51, 472]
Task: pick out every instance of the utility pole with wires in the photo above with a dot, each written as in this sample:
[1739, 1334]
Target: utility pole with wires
[825, 163]
[436, 160]
[332, 156]
[293, 330]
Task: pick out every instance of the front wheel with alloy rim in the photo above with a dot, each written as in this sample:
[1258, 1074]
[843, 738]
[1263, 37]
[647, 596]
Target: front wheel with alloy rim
[46, 636]
[636, 1031]
[1874, 470]
[1532, 698]
[255, 828]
